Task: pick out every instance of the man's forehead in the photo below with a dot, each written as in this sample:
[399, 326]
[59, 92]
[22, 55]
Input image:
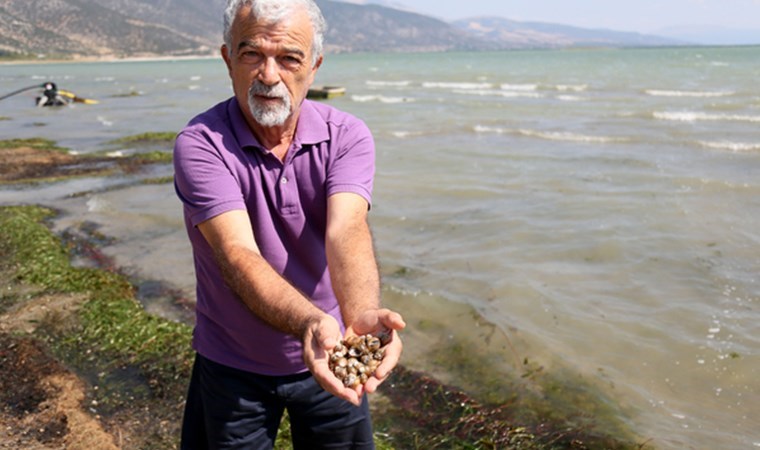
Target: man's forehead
[295, 27]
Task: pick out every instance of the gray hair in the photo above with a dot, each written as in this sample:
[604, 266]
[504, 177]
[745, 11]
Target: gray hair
[275, 11]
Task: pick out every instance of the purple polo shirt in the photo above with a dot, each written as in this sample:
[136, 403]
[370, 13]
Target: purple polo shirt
[220, 166]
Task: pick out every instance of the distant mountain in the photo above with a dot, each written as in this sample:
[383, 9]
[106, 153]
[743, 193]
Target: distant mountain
[375, 28]
[123, 28]
[542, 35]
[712, 35]
[107, 27]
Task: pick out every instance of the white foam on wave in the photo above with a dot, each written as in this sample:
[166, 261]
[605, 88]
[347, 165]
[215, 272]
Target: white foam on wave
[519, 87]
[737, 147]
[98, 204]
[704, 94]
[105, 122]
[485, 129]
[569, 98]
[572, 87]
[494, 93]
[374, 83]
[550, 135]
[455, 85]
[405, 134]
[693, 116]
[380, 98]
[570, 137]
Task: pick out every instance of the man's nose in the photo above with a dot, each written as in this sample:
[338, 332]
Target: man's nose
[269, 73]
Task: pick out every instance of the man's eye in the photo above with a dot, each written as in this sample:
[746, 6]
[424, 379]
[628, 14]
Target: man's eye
[292, 60]
[250, 56]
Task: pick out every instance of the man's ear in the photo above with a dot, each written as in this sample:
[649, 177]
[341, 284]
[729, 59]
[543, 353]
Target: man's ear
[226, 57]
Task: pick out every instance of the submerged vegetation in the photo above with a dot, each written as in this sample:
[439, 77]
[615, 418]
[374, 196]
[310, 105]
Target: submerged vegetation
[41, 160]
[147, 138]
[33, 143]
[137, 365]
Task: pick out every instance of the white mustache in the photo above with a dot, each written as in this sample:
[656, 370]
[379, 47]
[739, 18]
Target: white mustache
[276, 91]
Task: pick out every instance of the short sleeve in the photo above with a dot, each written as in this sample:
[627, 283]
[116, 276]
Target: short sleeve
[352, 166]
[203, 181]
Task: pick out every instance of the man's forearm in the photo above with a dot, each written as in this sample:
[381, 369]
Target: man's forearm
[266, 293]
[353, 270]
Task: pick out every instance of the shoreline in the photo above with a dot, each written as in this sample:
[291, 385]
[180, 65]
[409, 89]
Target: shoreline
[217, 54]
[107, 59]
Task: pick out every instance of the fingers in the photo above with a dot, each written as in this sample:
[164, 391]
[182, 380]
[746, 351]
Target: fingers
[327, 333]
[391, 319]
[324, 334]
[333, 385]
[320, 337]
[375, 320]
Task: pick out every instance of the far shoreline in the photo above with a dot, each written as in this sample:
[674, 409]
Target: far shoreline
[106, 59]
[10, 61]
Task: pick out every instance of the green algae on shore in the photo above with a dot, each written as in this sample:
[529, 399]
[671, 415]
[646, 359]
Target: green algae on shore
[33, 143]
[137, 365]
[147, 138]
[35, 161]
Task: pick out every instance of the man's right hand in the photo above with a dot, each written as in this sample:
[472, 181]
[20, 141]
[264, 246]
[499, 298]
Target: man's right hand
[320, 336]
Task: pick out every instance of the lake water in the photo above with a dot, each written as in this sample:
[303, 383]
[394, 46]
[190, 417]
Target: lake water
[594, 211]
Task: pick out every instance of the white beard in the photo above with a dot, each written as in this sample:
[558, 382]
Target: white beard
[269, 115]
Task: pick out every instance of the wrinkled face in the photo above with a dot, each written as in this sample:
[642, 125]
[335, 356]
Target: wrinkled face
[270, 66]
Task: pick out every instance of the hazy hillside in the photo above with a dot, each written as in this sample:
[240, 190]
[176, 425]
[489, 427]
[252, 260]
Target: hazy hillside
[120, 28]
[101, 27]
[537, 34]
[373, 28]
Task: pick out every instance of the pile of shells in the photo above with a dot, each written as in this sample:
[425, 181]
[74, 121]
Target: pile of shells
[354, 359]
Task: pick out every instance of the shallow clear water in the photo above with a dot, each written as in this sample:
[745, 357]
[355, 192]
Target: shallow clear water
[599, 209]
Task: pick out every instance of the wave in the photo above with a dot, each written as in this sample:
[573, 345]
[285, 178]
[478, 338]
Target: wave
[380, 98]
[737, 147]
[569, 98]
[550, 135]
[519, 87]
[494, 93]
[405, 134]
[706, 94]
[460, 86]
[572, 87]
[374, 83]
[693, 116]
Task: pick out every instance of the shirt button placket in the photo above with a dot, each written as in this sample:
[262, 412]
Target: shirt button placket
[288, 189]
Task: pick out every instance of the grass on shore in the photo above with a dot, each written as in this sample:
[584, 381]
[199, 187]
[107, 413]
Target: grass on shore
[137, 363]
[34, 143]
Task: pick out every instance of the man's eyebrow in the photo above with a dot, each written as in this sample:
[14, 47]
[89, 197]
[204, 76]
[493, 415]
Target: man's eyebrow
[253, 45]
[295, 51]
[247, 43]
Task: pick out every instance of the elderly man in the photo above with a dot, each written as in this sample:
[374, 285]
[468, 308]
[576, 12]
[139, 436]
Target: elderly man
[276, 191]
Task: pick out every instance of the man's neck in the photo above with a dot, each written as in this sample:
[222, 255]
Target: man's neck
[276, 139]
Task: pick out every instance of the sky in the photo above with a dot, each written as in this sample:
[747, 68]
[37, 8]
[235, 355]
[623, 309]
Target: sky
[644, 16]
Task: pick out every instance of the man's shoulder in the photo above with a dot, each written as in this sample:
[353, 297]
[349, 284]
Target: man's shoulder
[214, 117]
[332, 115]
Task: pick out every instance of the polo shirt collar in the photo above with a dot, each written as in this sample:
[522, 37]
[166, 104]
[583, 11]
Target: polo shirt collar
[311, 128]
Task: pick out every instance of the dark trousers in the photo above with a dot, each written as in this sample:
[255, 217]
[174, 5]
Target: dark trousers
[232, 409]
